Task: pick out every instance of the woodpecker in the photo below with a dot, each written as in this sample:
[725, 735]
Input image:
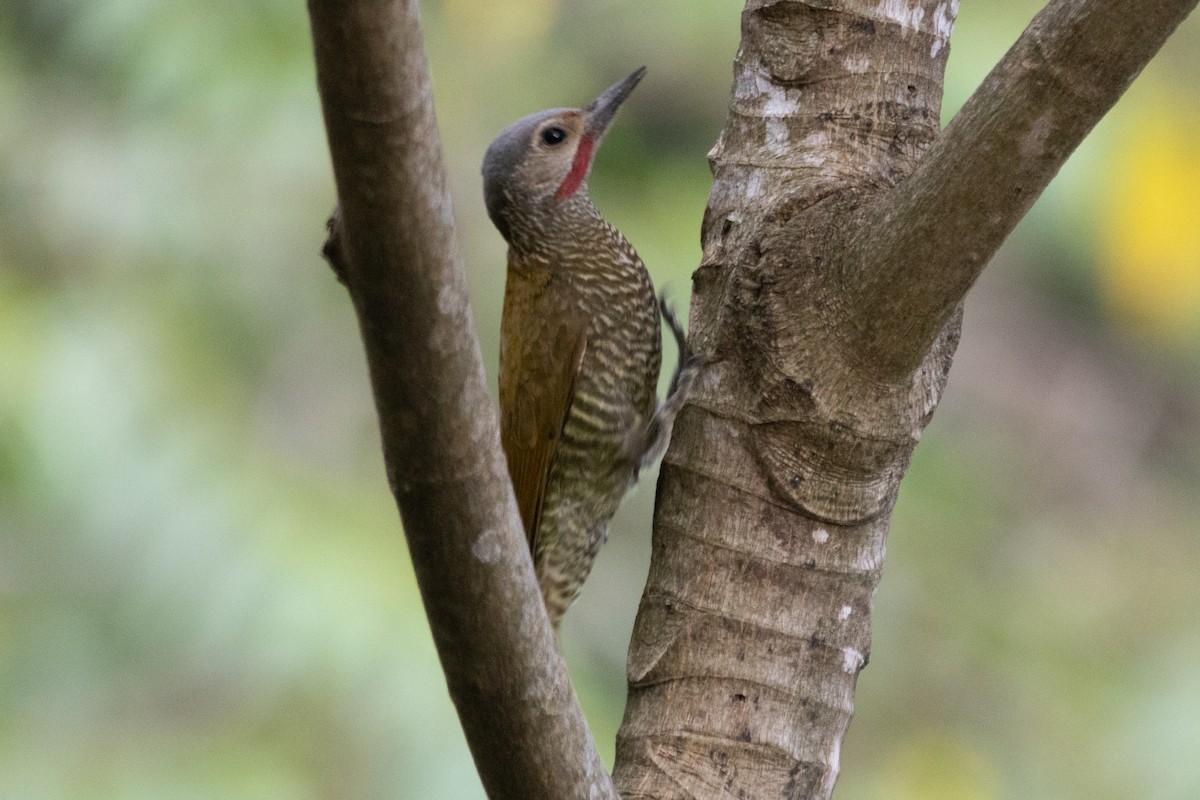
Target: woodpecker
[579, 343]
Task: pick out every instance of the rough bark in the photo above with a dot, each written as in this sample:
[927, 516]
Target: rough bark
[393, 246]
[837, 252]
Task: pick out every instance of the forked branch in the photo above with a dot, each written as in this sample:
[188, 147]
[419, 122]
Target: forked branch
[925, 242]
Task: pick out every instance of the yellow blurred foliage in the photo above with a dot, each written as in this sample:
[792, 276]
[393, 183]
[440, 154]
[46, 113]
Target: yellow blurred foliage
[1151, 220]
[938, 767]
[506, 25]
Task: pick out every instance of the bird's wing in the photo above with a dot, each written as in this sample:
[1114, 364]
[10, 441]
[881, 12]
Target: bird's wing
[543, 337]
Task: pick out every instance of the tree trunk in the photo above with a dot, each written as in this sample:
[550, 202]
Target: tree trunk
[841, 235]
[775, 497]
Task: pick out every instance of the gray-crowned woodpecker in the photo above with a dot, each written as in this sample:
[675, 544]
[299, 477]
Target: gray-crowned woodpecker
[579, 342]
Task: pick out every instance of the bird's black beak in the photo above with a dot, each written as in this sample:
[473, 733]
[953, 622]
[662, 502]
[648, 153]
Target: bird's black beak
[600, 112]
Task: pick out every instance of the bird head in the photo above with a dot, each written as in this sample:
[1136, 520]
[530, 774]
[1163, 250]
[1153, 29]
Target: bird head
[541, 161]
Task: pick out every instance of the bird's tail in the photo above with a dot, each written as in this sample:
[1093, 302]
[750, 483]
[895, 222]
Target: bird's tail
[687, 369]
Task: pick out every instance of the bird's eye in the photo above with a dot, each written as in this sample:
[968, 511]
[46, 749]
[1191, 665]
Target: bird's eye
[553, 135]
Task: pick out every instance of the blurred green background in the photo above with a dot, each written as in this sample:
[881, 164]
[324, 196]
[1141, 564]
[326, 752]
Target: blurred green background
[203, 588]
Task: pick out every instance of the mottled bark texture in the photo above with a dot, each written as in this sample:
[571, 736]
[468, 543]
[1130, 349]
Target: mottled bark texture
[393, 246]
[841, 236]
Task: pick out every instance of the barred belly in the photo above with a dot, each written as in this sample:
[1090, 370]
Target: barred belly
[586, 485]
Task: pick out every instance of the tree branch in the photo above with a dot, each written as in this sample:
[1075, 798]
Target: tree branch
[393, 245]
[923, 244]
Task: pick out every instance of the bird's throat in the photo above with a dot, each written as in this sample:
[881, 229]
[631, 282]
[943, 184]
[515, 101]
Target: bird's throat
[579, 169]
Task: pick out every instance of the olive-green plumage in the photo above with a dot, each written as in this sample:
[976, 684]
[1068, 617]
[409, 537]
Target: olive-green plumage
[579, 343]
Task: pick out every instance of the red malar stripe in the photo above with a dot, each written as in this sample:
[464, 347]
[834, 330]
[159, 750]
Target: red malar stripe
[579, 169]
